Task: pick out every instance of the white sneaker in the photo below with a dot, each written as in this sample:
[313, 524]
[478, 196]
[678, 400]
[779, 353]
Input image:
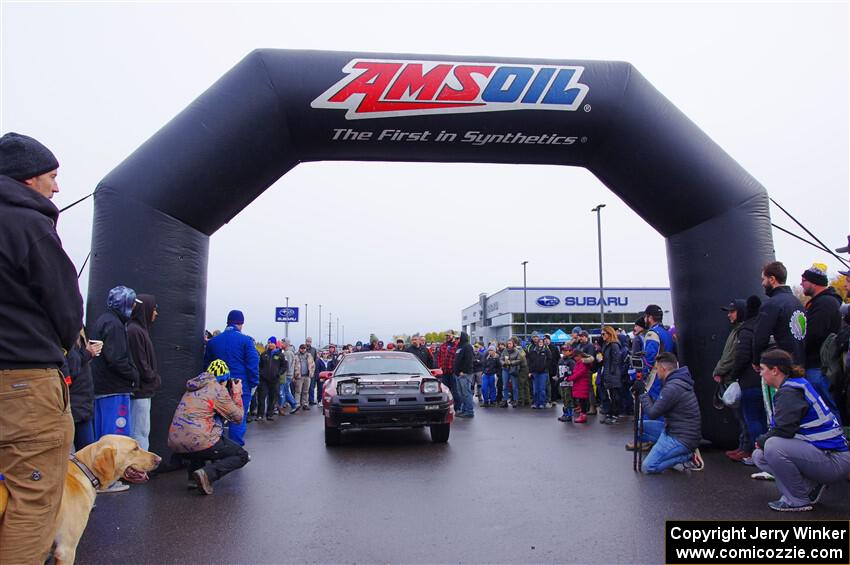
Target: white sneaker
[762, 476]
[117, 486]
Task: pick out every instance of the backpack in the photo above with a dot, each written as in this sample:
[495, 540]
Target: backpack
[831, 360]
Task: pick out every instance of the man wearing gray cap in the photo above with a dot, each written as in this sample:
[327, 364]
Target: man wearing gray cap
[41, 314]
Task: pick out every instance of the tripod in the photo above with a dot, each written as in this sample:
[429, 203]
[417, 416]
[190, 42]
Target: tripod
[637, 444]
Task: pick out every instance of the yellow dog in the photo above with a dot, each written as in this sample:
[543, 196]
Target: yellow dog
[110, 458]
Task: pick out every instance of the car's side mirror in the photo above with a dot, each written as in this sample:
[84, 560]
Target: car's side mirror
[325, 375]
[436, 372]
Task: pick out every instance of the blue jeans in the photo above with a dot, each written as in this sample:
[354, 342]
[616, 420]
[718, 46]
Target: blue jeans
[821, 384]
[141, 412]
[488, 388]
[286, 394]
[539, 383]
[236, 432]
[464, 388]
[666, 452]
[83, 434]
[652, 430]
[755, 418]
[451, 382]
[507, 377]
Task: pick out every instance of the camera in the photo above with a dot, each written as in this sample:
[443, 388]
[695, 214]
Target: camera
[636, 360]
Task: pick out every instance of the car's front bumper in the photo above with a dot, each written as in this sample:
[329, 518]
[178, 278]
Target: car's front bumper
[388, 411]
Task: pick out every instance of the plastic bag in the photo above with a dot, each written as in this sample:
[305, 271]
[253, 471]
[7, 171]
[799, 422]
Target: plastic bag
[732, 396]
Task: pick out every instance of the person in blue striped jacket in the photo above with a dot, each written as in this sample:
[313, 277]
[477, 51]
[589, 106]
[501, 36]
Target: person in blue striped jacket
[805, 448]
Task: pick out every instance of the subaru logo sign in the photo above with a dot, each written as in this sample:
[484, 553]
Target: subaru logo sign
[548, 301]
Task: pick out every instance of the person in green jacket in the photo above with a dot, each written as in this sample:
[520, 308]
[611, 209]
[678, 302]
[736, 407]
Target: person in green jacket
[736, 312]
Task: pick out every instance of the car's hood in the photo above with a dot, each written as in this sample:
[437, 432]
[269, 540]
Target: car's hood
[383, 382]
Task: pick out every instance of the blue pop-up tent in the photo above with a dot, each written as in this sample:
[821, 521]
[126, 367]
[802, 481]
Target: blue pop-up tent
[560, 336]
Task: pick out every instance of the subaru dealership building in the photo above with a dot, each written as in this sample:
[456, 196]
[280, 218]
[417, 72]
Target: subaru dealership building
[501, 315]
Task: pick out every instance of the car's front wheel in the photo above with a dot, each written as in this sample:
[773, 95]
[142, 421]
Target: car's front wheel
[440, 433]
[333, 436]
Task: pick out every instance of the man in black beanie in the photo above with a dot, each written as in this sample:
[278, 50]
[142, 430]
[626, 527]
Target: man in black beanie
[41, 314]
[823, 317]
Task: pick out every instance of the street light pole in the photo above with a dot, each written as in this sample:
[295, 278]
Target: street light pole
[305, 322]
[525, 300]
[320, 326]
[598, 211]
[329, 328]
[287, 323]
[337, 332]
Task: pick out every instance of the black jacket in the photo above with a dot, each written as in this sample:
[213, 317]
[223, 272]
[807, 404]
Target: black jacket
[141, 346]
[424, 355]
[789, 407]
[82, 386]
[612, 365]
[742, 369]
[678, 404]
[463, 357]
[538, 358]
[113, 370]
[41, 310]
[774, 319]
[273, 366]
[823, 317]
[492, 366]
[554, 359]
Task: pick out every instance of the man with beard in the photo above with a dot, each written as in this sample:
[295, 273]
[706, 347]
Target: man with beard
[781, 316]
[823, 317]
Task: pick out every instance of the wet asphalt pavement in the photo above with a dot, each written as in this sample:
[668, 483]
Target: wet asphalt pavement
[511, 486]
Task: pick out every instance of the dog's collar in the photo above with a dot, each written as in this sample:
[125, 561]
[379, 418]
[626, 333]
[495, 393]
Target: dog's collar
[95, 482]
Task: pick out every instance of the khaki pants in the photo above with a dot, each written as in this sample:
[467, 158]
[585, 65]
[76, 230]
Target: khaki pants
[302, 390]
[36, 435]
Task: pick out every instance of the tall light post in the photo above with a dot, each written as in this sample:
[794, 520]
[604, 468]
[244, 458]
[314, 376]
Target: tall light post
[305, 322]
[337, 332]
[286, 329]
[329, 328]
[525, 300]
[598, 211]
[320, 326]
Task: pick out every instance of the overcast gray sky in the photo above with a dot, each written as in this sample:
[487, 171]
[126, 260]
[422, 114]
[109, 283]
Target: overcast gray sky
[394, 247]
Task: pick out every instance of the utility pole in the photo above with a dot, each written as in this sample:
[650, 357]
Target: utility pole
[320, 326]
[337, 332]
[525, 300]
[329, 328]
[305, 322]
[598, 211]
[287, 323]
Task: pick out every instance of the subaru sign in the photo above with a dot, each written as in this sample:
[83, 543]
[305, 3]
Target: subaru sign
[548, 301]
[286, 314]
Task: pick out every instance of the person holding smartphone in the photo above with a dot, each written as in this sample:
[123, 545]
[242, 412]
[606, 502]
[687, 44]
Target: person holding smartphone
[81, 388]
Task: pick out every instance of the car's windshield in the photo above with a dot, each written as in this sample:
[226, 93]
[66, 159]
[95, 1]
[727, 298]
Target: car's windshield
[387, 364]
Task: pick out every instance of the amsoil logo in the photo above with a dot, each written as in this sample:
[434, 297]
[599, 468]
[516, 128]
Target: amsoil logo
[376, 88]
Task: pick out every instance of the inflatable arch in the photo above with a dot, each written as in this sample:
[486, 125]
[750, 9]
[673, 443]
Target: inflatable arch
[155, 212]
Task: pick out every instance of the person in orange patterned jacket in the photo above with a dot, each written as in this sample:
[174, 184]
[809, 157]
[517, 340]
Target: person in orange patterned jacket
[195, 433]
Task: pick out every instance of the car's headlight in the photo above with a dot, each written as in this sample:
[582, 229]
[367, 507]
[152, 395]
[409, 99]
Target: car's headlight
[348, 388]
[430, 387]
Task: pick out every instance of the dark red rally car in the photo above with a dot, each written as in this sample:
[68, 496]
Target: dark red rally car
[385, 389]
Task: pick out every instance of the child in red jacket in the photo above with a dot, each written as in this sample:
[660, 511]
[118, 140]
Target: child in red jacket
[581, 386]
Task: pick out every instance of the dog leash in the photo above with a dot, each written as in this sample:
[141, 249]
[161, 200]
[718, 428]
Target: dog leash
[95, 482]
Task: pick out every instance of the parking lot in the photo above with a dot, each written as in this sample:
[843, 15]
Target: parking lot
[511, 486]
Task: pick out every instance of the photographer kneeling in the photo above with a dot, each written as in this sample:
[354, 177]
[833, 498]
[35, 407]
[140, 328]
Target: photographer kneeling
[677, 445]
[805, 448]
[195, 432]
